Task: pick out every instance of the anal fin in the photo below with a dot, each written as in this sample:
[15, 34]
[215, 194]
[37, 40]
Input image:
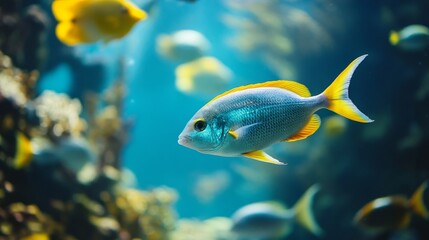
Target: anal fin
[260, 155]
[306, 131]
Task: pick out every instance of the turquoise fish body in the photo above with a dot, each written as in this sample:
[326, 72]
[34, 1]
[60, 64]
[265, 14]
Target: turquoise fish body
[247, 119]
[261, 116]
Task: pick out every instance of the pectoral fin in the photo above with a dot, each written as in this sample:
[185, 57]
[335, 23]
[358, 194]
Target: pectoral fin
[306, 131]
[263, 157]
[242, 131]
[233, 134]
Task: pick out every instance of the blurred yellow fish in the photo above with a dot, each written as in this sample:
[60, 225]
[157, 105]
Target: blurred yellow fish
[24, 151]
[88, 21]
[335, 126]
[37, 236]
[205, 76]
[392, 212]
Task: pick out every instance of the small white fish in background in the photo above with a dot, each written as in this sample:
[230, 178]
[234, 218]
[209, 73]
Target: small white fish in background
[183, 45]
[411, 38]
[205, 76]
[271, 220]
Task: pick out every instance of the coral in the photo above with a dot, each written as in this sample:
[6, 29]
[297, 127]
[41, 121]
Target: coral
[47, 199]
[107, 131]
[14, 83]
[19, 221]
[147, 210]
[59, 114]
[211, 229]
[16, 118]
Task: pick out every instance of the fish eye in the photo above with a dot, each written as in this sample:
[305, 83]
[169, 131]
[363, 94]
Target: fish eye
[200, 125]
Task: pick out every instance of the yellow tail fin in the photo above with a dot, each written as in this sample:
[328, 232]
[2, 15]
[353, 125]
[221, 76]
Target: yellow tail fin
[337, 94]
[304, 215]
[394, 37]
[417, 201]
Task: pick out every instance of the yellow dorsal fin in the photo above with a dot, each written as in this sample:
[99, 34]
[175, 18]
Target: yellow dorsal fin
[134, 12]
[263, 157]
[66, 10]
[292, 86]
[306, 131]
[417, 201]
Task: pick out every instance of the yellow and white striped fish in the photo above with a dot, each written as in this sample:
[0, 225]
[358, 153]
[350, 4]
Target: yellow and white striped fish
[247, 119]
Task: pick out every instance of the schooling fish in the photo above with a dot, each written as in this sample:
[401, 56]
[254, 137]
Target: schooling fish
[392, 212]
[411, 38]
[247, 119]
[271, 220]
[88, 21]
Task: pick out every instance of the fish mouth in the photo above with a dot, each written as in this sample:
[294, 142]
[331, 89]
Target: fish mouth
[184, 141]
[187, 142]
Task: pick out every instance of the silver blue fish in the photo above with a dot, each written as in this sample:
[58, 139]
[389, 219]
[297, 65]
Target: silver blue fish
[272, 220]
[411, 38]
[247, 119]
